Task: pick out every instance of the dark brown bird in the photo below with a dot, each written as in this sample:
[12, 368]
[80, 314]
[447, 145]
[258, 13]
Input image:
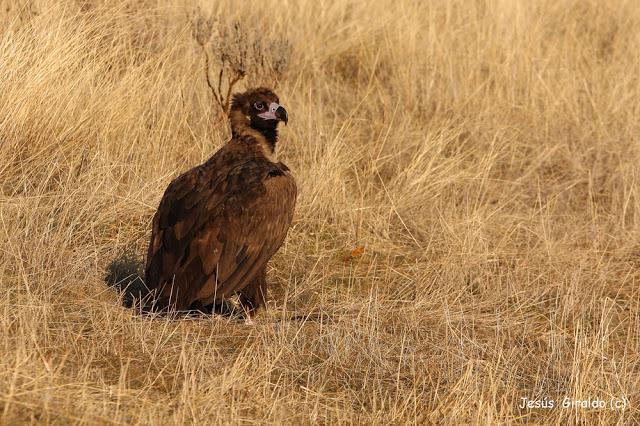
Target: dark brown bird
[219, 223]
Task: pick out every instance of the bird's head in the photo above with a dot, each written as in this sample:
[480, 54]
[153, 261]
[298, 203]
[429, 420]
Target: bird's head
[261, 106]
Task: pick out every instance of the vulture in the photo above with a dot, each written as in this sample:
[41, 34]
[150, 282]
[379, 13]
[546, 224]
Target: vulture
[219, 223]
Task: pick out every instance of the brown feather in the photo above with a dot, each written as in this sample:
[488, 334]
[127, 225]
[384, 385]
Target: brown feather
[219, 223]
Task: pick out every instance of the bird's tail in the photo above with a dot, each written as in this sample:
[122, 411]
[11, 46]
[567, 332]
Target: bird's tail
[125, 273]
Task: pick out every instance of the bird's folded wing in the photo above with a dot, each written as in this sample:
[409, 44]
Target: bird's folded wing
[211, 238]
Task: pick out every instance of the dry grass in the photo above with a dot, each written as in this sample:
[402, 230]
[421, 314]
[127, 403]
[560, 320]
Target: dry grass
[484, 152]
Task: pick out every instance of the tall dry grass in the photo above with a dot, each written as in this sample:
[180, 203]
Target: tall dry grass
[485, 153]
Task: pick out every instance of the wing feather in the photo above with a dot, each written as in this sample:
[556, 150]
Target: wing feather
[216, 228]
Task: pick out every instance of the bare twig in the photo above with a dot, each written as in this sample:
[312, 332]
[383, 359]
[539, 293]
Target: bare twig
[232, 83]
[220, 82]
[206, 73]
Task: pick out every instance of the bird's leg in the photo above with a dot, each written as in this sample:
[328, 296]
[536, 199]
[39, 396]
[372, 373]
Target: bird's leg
[222, 307]
[253, 295]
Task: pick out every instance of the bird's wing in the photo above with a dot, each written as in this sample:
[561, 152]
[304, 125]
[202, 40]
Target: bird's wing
[214, 230]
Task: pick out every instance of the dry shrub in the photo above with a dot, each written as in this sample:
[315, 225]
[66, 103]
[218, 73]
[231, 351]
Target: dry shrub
[239, 53]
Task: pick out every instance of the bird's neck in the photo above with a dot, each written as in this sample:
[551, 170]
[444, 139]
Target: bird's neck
[264, 139]
[271, 136]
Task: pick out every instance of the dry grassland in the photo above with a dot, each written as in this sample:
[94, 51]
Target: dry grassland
[485, 153]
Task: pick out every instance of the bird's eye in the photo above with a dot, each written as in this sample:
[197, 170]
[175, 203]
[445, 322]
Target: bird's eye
[259, 106]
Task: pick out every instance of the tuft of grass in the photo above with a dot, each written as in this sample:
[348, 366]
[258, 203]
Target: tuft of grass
[483, 153]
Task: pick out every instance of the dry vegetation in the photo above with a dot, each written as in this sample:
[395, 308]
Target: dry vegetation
[485, 154]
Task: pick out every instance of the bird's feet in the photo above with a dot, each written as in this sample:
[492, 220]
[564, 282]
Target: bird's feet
[249, 321]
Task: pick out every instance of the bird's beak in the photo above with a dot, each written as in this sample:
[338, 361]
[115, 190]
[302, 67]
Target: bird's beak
[275, 112]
